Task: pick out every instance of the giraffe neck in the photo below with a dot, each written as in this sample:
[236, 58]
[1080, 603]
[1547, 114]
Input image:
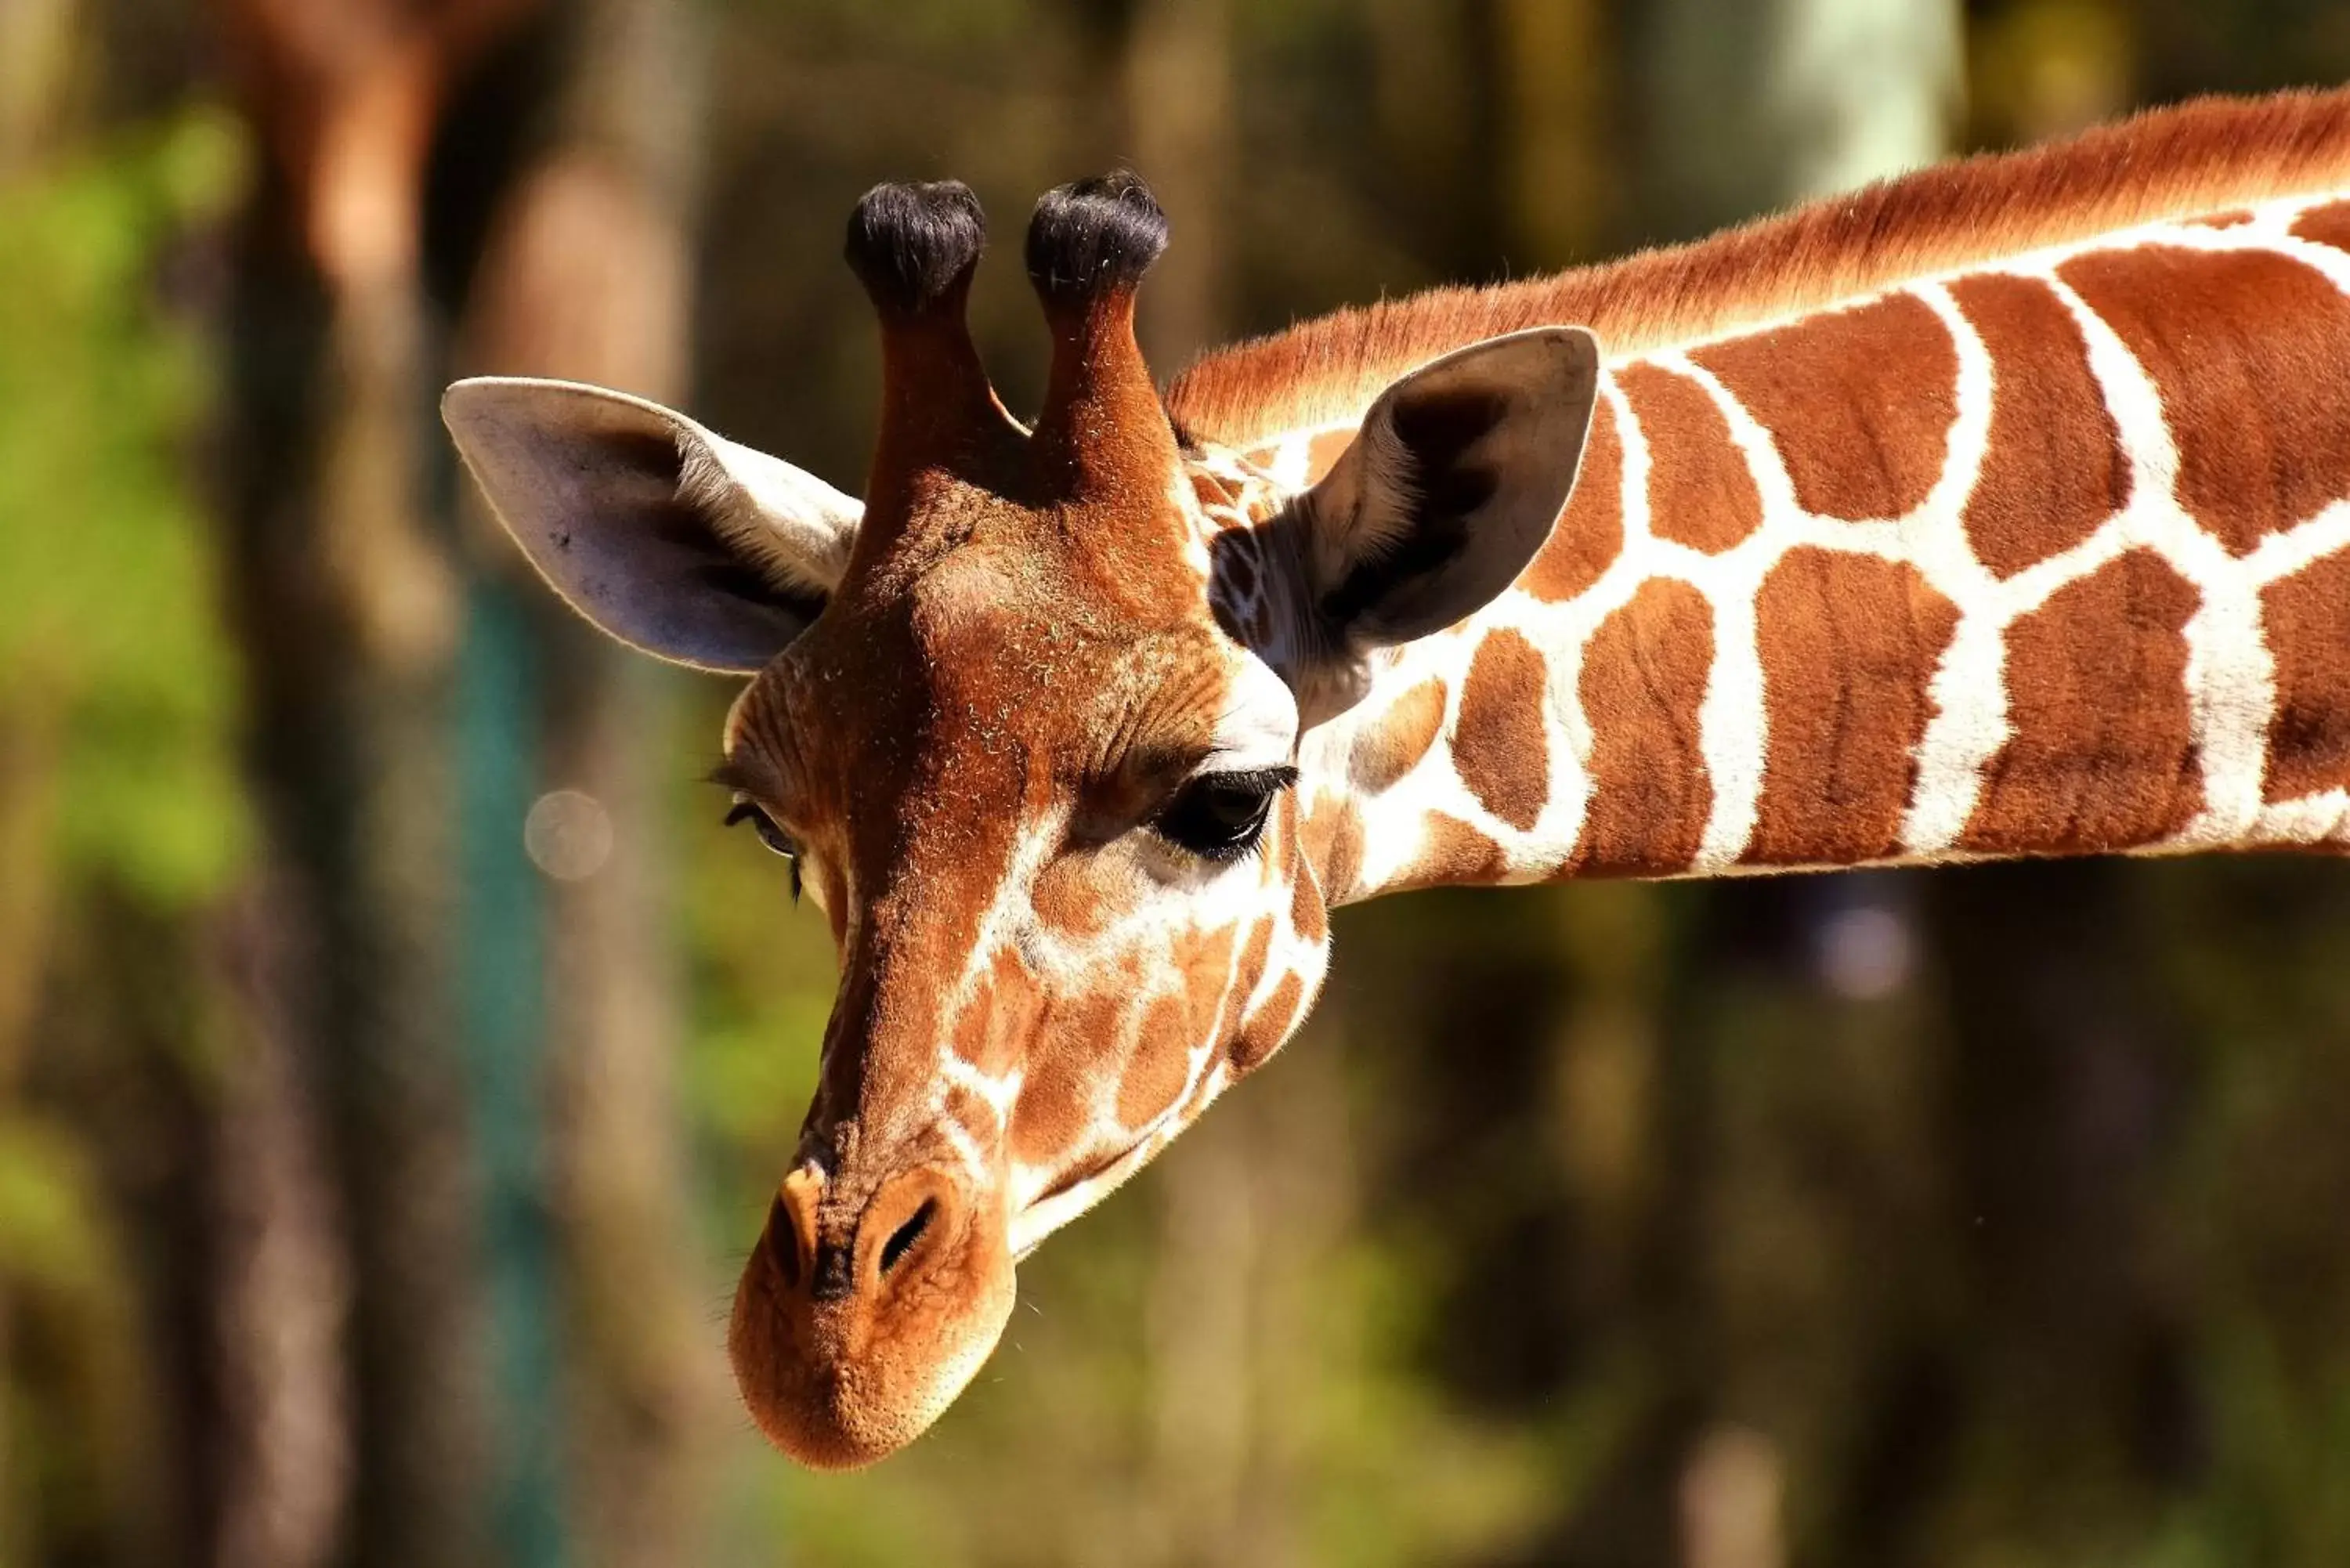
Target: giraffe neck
[2050, 555]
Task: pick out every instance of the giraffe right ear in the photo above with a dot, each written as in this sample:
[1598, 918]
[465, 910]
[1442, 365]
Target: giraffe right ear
[1453, 482]
[671, 539]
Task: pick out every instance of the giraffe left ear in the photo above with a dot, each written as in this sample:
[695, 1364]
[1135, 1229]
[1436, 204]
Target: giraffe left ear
[668, 536]
[1455, 480]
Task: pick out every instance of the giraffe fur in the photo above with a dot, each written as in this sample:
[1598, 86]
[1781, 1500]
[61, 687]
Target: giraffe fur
[2001, 510]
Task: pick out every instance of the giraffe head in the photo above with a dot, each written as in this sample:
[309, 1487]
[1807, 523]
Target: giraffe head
[1027, 720]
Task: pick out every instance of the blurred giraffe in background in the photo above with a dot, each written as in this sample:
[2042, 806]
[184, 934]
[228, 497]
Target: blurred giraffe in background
[2000, 510]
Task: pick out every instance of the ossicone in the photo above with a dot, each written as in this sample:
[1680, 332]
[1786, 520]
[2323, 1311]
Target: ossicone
[1101, 430]
[914, 245]
[1094, 237]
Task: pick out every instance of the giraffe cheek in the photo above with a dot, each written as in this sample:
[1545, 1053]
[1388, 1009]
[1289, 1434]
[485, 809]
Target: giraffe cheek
[1308, 916]
[1156, 1076]
[1050, 1118]
[1269, 1025]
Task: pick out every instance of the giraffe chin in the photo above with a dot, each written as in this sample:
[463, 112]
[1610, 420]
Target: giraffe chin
[838, 1383]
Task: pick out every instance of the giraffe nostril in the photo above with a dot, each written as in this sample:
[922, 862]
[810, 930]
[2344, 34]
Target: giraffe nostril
[784, 1242]
[901, 1240]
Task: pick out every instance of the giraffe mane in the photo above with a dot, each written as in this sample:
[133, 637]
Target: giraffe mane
[2204, 156]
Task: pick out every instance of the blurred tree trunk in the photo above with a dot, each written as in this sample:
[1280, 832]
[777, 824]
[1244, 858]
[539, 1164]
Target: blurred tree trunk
[2062, 1081]
[1752, 104]
[1435, 102]
[351, 751]
[587, 275]
[1555, 96]
[346, 603]
[379, 641]
[190, 1411]
[27, 812]
[1176, 74]
[34, 78]
[270, 1437]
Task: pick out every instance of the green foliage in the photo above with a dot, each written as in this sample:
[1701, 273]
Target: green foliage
[118, 701]
[49, 1219]
[108, 608]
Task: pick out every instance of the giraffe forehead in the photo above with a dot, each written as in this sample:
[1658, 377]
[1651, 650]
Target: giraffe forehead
[984, 684]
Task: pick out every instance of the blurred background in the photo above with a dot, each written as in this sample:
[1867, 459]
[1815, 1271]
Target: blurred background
[396, 1057]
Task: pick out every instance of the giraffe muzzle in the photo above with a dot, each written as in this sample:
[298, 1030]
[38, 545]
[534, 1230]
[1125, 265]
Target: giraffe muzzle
[855, 1324]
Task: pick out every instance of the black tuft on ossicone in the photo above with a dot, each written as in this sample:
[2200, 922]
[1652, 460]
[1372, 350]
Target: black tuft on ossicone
[1094, 237]
[911, 243]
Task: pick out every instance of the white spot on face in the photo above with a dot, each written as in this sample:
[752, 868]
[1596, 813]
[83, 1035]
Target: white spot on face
[1258, 728]
[998, 1092]
[966, 1147]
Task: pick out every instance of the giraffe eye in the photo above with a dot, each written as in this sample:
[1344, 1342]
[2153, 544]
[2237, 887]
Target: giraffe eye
[1220, 816]
[771, 835]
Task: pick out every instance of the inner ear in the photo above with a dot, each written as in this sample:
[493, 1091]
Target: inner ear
[1434, 476]
[1455, 479]
[689, 529]
[667, 536]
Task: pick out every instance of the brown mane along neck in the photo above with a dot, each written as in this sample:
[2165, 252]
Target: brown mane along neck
[2176, 162]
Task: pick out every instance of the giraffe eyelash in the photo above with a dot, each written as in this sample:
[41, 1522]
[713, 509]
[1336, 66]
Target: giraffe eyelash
[1221, 816]
[771, 834]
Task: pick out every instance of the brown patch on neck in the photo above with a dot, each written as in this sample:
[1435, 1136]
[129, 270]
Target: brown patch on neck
[1498, 745]
[1849, 644]
[1859, 403]
[1383, 752]
[1644, 680]
[2326, 225]
[1330, 836]
[2307, 619]
[2102, 757]
[2054, 468]
[2249, 351]
[1699, 490]
[1454, 854]
[1589, 534]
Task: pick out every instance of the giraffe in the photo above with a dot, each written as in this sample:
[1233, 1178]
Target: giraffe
[1999, 510]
